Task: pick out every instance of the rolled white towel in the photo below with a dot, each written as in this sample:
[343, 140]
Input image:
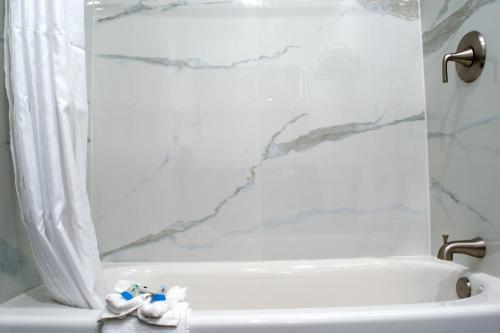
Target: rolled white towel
[158, 305]
[154, 309]
[118, 310]
[119, 305]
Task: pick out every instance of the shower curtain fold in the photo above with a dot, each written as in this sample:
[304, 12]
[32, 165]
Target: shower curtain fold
[46, 88]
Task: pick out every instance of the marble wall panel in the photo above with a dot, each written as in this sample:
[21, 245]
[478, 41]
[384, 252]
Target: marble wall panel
[258, 129]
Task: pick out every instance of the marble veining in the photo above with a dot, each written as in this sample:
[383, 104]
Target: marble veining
[440, 33]
[142, 6]
[167, 159]
[196, 63]
[407, 9]
[333, 133]
[439, 187]
[468, 148]
[455, 133]
[271, 151]
[183, 226]
[444, 9]
[303, 217]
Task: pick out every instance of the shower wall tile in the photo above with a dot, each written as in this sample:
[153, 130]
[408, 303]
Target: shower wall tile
[17, 270]
[249, 130]
[463, 129]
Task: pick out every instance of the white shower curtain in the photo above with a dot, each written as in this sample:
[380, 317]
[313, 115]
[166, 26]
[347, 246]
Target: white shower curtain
[46, 87]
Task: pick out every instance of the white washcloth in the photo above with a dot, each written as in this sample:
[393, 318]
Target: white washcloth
[159, 308]
[133, 325]
[177, 315]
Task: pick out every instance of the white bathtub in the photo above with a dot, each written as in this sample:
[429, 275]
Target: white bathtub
[405, 294]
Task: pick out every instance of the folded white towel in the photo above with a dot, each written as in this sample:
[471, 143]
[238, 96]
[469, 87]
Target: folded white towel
[162, 316]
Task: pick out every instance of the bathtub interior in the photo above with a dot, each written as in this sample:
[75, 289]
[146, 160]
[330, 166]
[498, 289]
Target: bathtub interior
[301, 284]
[279, 285]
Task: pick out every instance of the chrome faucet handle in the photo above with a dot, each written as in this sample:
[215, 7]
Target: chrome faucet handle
[465, 58]
[445, 238]
[469, 58]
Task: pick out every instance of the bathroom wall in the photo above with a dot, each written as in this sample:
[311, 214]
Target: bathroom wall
[258, 129]
[17, 270]
[464, 129]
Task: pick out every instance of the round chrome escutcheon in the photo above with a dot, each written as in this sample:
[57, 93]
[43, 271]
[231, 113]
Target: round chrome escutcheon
[463, 287]
[475, 41]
